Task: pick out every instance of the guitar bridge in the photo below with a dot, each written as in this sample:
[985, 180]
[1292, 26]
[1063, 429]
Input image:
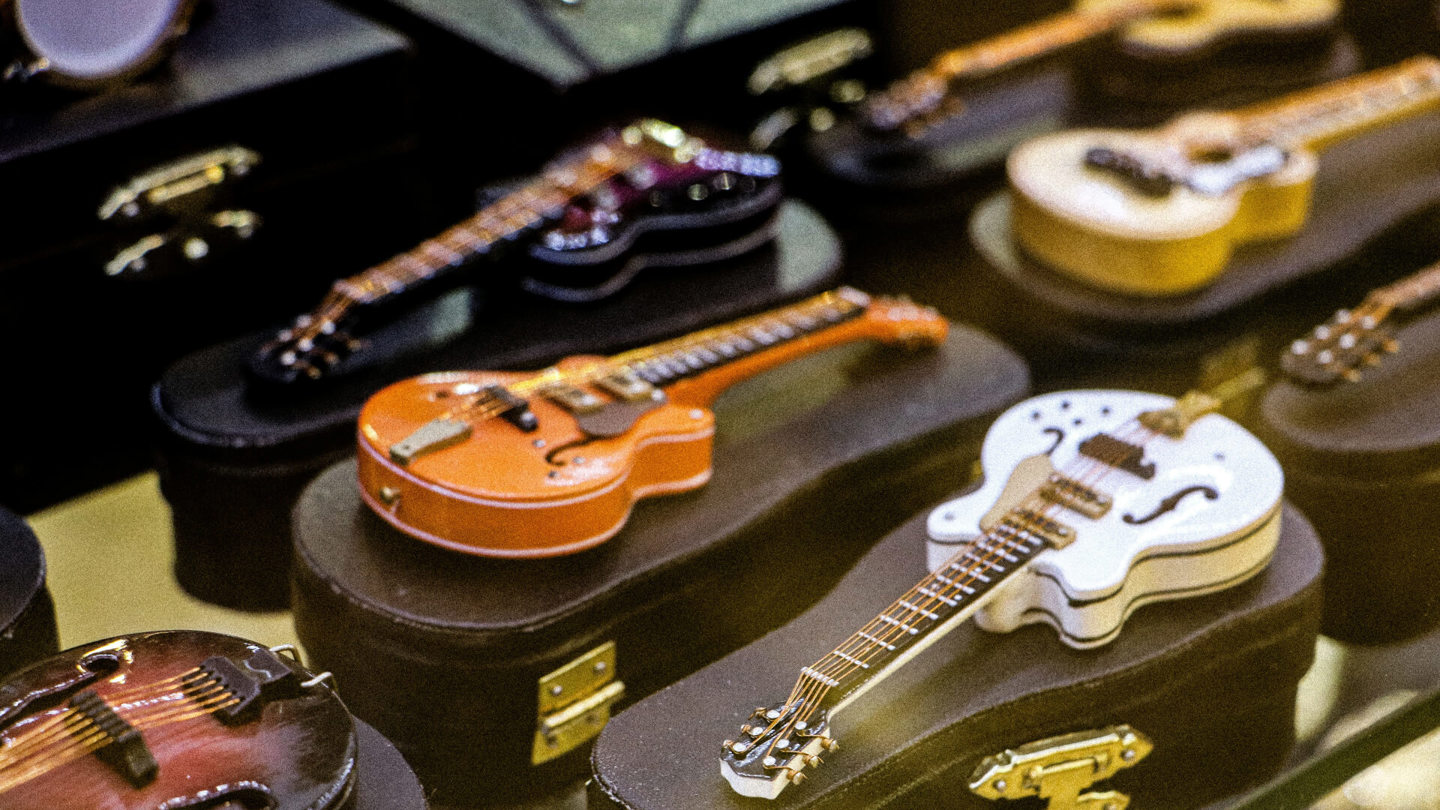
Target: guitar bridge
[123, 748]
[1075, 496]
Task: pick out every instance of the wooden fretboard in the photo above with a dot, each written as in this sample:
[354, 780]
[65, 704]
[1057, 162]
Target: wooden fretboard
[1411, 292]
[1316, 118]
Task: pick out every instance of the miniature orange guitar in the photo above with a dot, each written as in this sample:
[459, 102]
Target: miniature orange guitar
[541, 464]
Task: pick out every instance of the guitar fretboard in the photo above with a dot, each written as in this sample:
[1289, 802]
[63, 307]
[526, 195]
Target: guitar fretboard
[919, 93]
[515, 213]
[1335, 111]
[946, 594]
[1411, 292]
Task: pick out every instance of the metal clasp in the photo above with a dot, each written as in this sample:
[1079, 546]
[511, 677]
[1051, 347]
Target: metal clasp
[574, 703]
[1059, 768]
[166, 185]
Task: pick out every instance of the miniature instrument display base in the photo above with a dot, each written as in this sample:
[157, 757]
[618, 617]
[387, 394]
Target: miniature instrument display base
[1211, 680]
[812, 461]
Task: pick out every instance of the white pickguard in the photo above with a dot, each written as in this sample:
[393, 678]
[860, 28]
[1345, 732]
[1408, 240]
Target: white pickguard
[1087, 589]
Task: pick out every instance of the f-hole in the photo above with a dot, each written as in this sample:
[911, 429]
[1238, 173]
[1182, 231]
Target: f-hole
[1169, 504]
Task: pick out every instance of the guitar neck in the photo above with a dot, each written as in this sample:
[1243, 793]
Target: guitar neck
[1326, 115]
[516, 213]
[697, 367]
[926, 613]
[1044, 37]
[1412, 292]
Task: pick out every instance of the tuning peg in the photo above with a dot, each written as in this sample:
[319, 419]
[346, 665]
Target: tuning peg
[1351, 375]
[1341, 316]
[796, 777]
[812, 760]
[829, 743]
[1390, 345]
[1322, 331]
[1300, 347]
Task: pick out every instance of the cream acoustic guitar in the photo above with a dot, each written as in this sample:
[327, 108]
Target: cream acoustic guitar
[1152, 499]
[1339, 350]
[1160, 212]
[1166, 29]
[548, 463]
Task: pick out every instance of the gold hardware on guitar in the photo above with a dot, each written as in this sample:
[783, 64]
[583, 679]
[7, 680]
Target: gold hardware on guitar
[1060, 768]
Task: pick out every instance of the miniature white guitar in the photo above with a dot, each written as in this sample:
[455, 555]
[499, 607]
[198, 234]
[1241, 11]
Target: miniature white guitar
[1093, 503]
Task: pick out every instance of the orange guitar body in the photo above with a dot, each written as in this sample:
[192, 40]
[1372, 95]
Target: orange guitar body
[559, 487]
[511, 493]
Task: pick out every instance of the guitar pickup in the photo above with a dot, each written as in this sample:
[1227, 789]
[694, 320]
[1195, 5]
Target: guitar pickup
[1121, 455]
[626, 386]
[1052, 531]
[515, 410]
[122, 748]
[573, 399]
[1075, 496]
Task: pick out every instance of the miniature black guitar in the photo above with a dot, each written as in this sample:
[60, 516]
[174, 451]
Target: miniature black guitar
[594, 216]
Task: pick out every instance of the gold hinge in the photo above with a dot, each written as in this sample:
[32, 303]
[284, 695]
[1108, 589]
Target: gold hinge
[175, 180]
[1059, 768]
[574, 703]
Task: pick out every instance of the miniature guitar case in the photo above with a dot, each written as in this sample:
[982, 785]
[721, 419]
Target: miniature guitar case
[27, 616]
[1361, 459]
[223, 451]
[444, 652]
[1210, 680]
[1365, 190]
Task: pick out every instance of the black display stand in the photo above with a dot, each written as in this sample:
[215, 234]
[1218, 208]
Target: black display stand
[1211, 680]
[27, 616]
[1361, 459]
[318, 93]
[812, 461]
[224, 449]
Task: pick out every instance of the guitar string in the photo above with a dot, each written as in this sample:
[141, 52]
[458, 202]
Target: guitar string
[483, 406]
[131, 693]
[61, 730]
[491, 225]
[36, 742]
[1039, 38]
[142, 718]
[814, 691]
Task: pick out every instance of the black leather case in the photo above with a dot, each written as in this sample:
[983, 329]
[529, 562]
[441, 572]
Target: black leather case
[317, 92]
[1366, 193]
[383, 780]
[812, 461]
[27, 616]
[223, 451]
[1211, 681]
[1361, 459]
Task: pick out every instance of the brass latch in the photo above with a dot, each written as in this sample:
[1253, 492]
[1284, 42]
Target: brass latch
[163, 186]
[1058, 768]
[574, 703]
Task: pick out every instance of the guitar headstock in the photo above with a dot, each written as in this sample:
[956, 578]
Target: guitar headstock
[306, 351]
[900, 320]
[774, 748]
[1339, 349]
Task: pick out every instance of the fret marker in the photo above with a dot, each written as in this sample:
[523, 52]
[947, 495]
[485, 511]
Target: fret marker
[856, 661]
[874, 640]
[907, 628]
[922, 611]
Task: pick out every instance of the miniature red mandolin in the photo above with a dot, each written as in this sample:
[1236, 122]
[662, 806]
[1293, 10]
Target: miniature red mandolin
[549, 463]
[176, 720]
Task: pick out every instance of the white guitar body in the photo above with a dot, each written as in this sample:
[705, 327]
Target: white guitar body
[1087, 589]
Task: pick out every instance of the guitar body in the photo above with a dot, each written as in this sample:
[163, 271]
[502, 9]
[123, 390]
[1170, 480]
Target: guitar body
[1208, 519]
[1097, 227]
[1210, 25]
[512, 493]
[297, 754]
